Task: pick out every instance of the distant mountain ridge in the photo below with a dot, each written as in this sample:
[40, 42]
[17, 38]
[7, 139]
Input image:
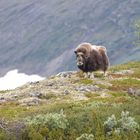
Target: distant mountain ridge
[38, 37]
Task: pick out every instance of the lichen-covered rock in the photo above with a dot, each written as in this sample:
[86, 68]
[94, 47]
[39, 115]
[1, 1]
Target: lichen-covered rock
[2, 100]
[137, 92]
[35, 94]
[124, 72]
[131, 91]
[31, 101]
[87, 88]
[66, 92]
[66, 74]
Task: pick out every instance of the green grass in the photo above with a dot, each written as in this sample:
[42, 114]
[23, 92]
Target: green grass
[125, 66]
[103, 86]
[117, 93]
[83, 117]
[84, 81]
[136, 73]
[124, 84]
[92, 94]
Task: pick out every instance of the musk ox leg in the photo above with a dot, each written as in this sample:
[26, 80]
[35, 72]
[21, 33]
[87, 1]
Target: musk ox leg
[89, 75]
[105, 73]
[86, 75]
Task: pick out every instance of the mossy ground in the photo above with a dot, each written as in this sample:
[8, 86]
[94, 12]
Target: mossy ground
[84, 116]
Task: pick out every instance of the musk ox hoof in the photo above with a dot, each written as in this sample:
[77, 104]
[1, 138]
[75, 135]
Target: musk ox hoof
[105, 74]
[89, 75]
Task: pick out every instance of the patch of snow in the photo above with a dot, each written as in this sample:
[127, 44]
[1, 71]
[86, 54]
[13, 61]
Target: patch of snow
[14, 79]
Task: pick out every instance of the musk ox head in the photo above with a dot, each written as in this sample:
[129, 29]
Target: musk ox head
[82, 54]
[81, 59]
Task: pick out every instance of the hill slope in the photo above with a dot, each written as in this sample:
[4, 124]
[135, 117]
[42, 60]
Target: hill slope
[37, 36]
[66, 105]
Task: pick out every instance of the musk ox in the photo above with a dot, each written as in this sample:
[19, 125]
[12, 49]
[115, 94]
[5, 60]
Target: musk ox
[91, 58]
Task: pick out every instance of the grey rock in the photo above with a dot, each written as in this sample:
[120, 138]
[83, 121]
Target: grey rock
[105, 95]
[3, 124]
[34, 83]
[137, 92]
[131, 91]
[15, 96]
[2, 100]
[87, 88]
[66, 92]
[50, 84]
[35, 94]
[29, 101]
[65, 74]
[125, 72]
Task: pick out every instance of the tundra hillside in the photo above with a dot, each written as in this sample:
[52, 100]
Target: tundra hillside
[67, 106]
[42, 33]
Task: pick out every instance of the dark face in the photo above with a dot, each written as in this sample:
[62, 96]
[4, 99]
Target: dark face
[80, 59]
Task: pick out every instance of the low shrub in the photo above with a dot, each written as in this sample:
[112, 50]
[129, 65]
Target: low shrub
[52, 120]
[86, 136]
[125, 124]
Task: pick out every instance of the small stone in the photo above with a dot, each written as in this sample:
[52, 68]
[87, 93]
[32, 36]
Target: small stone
[29, 101]
[32, 83]
[66, 92]
[35, 94]
[66, 74]
[137, 92]
[88, 88]
[1, 98]
[124, 72]
[15, 96]
[104, 95]
[50, 84]
[131, 91]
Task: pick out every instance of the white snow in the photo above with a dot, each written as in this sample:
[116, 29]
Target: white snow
[14, 79]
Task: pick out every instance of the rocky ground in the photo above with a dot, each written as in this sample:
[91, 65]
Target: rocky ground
[67, 86]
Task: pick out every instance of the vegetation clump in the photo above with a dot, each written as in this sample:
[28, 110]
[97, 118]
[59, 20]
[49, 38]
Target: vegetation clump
[52, 120]
[125, 124]
[86, 137]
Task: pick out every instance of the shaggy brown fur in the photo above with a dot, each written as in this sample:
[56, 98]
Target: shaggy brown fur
[91, 57]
